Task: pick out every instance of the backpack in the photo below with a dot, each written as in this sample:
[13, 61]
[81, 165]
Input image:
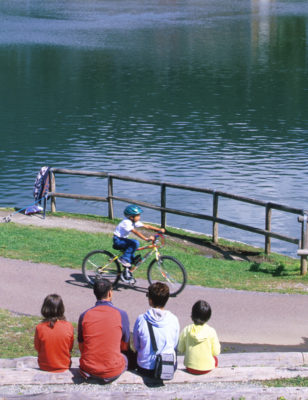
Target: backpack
[41, 185]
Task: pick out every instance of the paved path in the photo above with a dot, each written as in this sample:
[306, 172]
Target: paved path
[244, 320]
[238, 316]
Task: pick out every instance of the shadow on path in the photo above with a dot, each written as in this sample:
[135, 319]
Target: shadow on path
[78, 280]
[228, 347]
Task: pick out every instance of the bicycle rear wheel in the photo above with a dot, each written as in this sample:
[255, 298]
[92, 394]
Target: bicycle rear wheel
[170, 271]
[101, 264]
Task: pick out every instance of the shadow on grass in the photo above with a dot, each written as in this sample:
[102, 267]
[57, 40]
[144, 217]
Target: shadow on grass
[215, 250]
[278, 270]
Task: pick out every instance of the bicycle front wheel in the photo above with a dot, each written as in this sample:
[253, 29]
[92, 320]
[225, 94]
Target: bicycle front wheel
[170, 271]
[101, 264]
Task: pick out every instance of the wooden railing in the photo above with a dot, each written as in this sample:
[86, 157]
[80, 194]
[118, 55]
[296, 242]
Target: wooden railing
[303, 251]
[164, 210]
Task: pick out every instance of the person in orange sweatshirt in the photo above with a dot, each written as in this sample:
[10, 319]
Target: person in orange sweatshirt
[54, 336]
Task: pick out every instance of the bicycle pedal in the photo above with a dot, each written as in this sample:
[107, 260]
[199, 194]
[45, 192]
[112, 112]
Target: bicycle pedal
[127, 278]
[132, 282]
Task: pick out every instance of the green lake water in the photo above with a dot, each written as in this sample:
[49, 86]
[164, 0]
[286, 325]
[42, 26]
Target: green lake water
[206, 93]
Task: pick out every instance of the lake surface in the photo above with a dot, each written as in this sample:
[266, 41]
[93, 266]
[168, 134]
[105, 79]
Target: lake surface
[206, 93]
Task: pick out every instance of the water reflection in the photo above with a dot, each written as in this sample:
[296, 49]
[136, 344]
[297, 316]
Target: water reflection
[208, 94]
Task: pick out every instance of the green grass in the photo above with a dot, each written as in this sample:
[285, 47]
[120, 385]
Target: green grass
[63, 247]
[17, 335]
[67, 248]
[295, 382]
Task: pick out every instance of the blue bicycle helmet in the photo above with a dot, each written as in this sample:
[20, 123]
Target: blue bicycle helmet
[132, 210]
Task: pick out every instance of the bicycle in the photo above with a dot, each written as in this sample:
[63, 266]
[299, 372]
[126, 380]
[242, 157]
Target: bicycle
[103, 264]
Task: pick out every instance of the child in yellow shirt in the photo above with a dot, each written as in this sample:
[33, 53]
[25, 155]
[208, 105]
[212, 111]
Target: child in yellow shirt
[199, 342]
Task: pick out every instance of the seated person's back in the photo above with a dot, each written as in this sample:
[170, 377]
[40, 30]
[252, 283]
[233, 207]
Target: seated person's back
[54, 336]
[103, 331]
[165, 327]
[199, 342]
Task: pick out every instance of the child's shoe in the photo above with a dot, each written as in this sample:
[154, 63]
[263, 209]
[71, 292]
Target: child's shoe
[124, 262]
[127, 277]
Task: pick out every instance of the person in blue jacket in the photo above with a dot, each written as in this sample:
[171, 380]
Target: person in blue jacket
[165, 326]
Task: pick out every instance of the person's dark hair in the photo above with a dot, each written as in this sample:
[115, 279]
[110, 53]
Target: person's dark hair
[101, 288]
[201, 312]
[159, 293]
[52, 309]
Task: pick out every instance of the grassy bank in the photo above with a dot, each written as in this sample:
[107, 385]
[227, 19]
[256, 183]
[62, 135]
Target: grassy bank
[67, 247]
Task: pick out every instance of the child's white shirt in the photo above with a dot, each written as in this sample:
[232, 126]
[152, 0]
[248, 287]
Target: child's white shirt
[125, 227]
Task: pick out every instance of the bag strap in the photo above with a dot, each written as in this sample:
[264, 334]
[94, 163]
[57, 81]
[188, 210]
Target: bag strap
[152, 336]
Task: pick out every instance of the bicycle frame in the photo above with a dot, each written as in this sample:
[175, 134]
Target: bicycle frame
[147, 255]
[152, 246]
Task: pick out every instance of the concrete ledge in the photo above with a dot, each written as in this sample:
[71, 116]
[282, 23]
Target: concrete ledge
[235, 367]
[275, 359]
[29, 376]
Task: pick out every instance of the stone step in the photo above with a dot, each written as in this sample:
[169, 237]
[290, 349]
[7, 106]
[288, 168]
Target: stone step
[231, 393]
[30, 376]
[236, 367]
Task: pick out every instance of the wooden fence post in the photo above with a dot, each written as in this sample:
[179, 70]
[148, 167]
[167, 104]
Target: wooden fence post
[163, 205]
[110, 199]
[215, 215]
[268, 223]
[304, 242]
[52, 189]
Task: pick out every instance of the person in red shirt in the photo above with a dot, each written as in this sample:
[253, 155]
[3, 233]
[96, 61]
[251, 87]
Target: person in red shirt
[54, 336]
[103, 336]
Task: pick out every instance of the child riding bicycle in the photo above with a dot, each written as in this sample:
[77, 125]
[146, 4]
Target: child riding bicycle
[162, 268]
[130, 224]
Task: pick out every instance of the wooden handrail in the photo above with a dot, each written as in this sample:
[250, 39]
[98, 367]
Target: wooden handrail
[243, 199]
[164, 210]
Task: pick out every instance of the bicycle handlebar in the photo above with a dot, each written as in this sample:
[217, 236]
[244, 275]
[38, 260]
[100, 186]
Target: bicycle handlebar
[157, 237]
